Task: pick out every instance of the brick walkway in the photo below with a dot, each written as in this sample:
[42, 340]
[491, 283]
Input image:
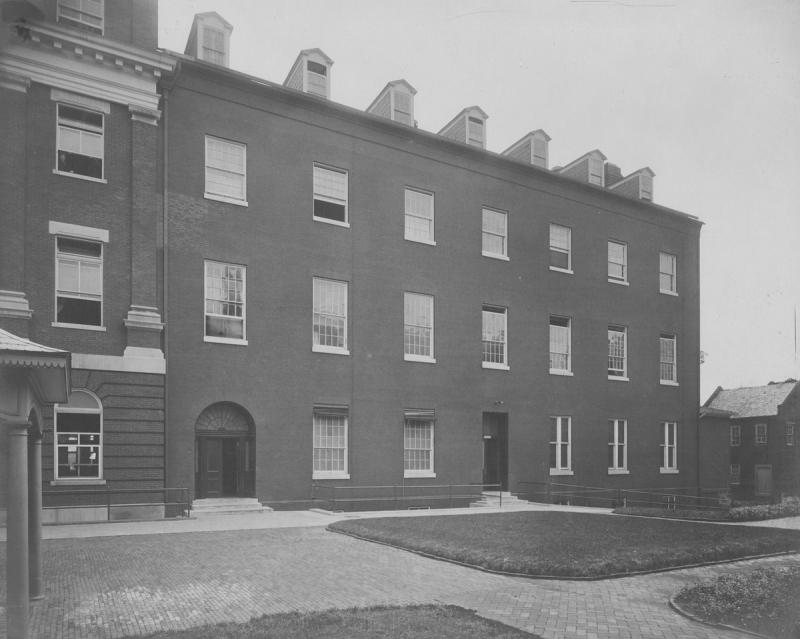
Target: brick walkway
[127, 585]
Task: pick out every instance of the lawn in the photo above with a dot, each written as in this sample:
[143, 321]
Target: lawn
[571, 545]
[411, 622]
[763, 601]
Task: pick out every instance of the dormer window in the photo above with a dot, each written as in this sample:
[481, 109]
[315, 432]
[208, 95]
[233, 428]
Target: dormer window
[596, 171]
[469, 126]
[209, 39]
[475, 131]
[646, 186]
[317, 78]
[532, 148]
[589, 168]
[213, 46]
[84, 14]
[540, 152]
[402, 108]
[311, 73]
[395, 102]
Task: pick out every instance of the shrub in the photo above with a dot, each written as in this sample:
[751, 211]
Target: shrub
[789, 507]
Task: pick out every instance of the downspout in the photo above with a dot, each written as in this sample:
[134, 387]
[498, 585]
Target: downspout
[165, 267]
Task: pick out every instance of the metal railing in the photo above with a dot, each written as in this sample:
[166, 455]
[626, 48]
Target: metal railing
[118, 501]
[404, 496]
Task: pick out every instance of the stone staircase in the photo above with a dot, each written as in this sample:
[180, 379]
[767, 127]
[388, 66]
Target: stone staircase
[491, 499]
[227, 506]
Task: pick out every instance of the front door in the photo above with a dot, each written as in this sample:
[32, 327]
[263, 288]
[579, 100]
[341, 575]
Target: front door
[225, 467]
[495, 450]
[211, 466]
[763, 480]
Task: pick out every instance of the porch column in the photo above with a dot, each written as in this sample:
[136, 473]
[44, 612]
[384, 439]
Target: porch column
[35, 514]
[17, 588]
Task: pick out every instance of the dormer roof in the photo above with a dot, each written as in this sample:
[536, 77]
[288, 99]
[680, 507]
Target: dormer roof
[531, 148]
[216, 52]
[395, 102]
[469, 126]
[298, 77]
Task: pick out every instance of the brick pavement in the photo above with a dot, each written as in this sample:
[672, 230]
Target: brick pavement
[108, 587]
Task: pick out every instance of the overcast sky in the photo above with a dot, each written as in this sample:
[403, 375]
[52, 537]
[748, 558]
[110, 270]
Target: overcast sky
[705, 93]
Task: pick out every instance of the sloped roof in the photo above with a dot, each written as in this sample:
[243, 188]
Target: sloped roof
[754, 401]
[14, 343]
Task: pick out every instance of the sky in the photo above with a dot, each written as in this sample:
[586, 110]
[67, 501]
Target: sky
[704, 92]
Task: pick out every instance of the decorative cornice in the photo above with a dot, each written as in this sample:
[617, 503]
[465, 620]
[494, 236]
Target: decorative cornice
[148, 116]
[14, 82]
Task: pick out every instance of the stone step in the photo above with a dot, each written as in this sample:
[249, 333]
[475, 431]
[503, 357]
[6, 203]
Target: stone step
[492, 499]
[223, 506]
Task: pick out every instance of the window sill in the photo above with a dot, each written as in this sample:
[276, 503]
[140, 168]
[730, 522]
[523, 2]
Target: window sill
[330, 350]
[668, 471]
[562, 373]
[672, 293]
[496, 367]
[558, 269]
[419, 358]
[618, 471]
[428, 242]
[496, 256]
[618, 378]
[620, 282]
[225, 340]
[560, 472]
[78, 176]
[93, 481]
[665, 382]
[330, 475]
[227, 200]
[424, 474]
[325, 220]
[84, 327]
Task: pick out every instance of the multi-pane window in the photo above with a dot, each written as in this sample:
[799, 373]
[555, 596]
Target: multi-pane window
[617, 445]
[80, 146]
[736, 473]
[736, 435]
[330, 442]
[402, 108]
[86, 14]
[596, 171]
[667, 273]
[617, 261]
[560, 345]
[419, 216]
[226, 170]
[418, 326]
[560, 247]
[213, 45]
[475, 131]
[225, 302]
[418, 443]
[79, 437]
[788, 434]
[668, 371]
[761, 434]
[495, 338]
[617, 355]
[317, 78]
[495, 233]
[669, 447]
[646, 186]
[330, 194]
[560, 445]
[330, 315]
[79, 282]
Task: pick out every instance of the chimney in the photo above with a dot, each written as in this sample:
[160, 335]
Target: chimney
[395, 102]
[311, 73]
[613, 174]
[469, 126]
[532, 149]
[209, 39]
[638, 185]
[589, 168]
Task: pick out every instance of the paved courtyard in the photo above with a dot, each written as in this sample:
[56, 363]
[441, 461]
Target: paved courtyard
[114, 586]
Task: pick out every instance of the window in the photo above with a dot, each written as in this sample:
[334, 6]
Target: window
[213, 46]
[596, 171]
[617, 262]
[475, 131]
[761, 434]
[560, 248]
[330, 194]
[495, 233]
[668, 273]
[736, 435]
[402, 108]
[669, 448]
[617, 446]
[560, 345]
[560, 445]
[617, 355]
[86, 14]
[79, 437]
[226, 171]
[330, 443]
[419, 216]
[646, 186]
[736, 473]
[317, 78]
[418, 327]
[668, 371]
[330, 316]
[225, 302]
[80, 145]
[79, 282]
[495, 339]
[788, 434]
[418, 444]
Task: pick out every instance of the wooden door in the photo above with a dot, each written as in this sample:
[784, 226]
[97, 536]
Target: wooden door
[763, 480]
[211, 461]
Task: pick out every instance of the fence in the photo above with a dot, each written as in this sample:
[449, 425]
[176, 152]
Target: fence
[403, 496]
[108, 504]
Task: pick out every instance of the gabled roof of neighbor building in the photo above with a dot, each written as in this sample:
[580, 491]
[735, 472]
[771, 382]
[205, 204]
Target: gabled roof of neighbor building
[752, 401]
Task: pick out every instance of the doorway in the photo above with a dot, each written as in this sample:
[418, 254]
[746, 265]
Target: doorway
[495, 450]
[763, 480]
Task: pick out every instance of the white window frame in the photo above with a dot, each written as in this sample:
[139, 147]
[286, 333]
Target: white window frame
[669, 448]
[788, 434]
[102, 109]
[319, 194]
[620, 374]
[412, 419]
[92, 236]
[413, 357]
[554, 370]
[491, 312]
[411, 217]
[760, 431]
[555, 248]
[488, 233]
[736, 435]
[616, 445]
[672, 287]
[79, 20]
[317, 437]
[624, 264]
[214, 338]
[664, 364]
[558, 445]
[325, 313]
[735, 474]
[222, 197]
[61, 409]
